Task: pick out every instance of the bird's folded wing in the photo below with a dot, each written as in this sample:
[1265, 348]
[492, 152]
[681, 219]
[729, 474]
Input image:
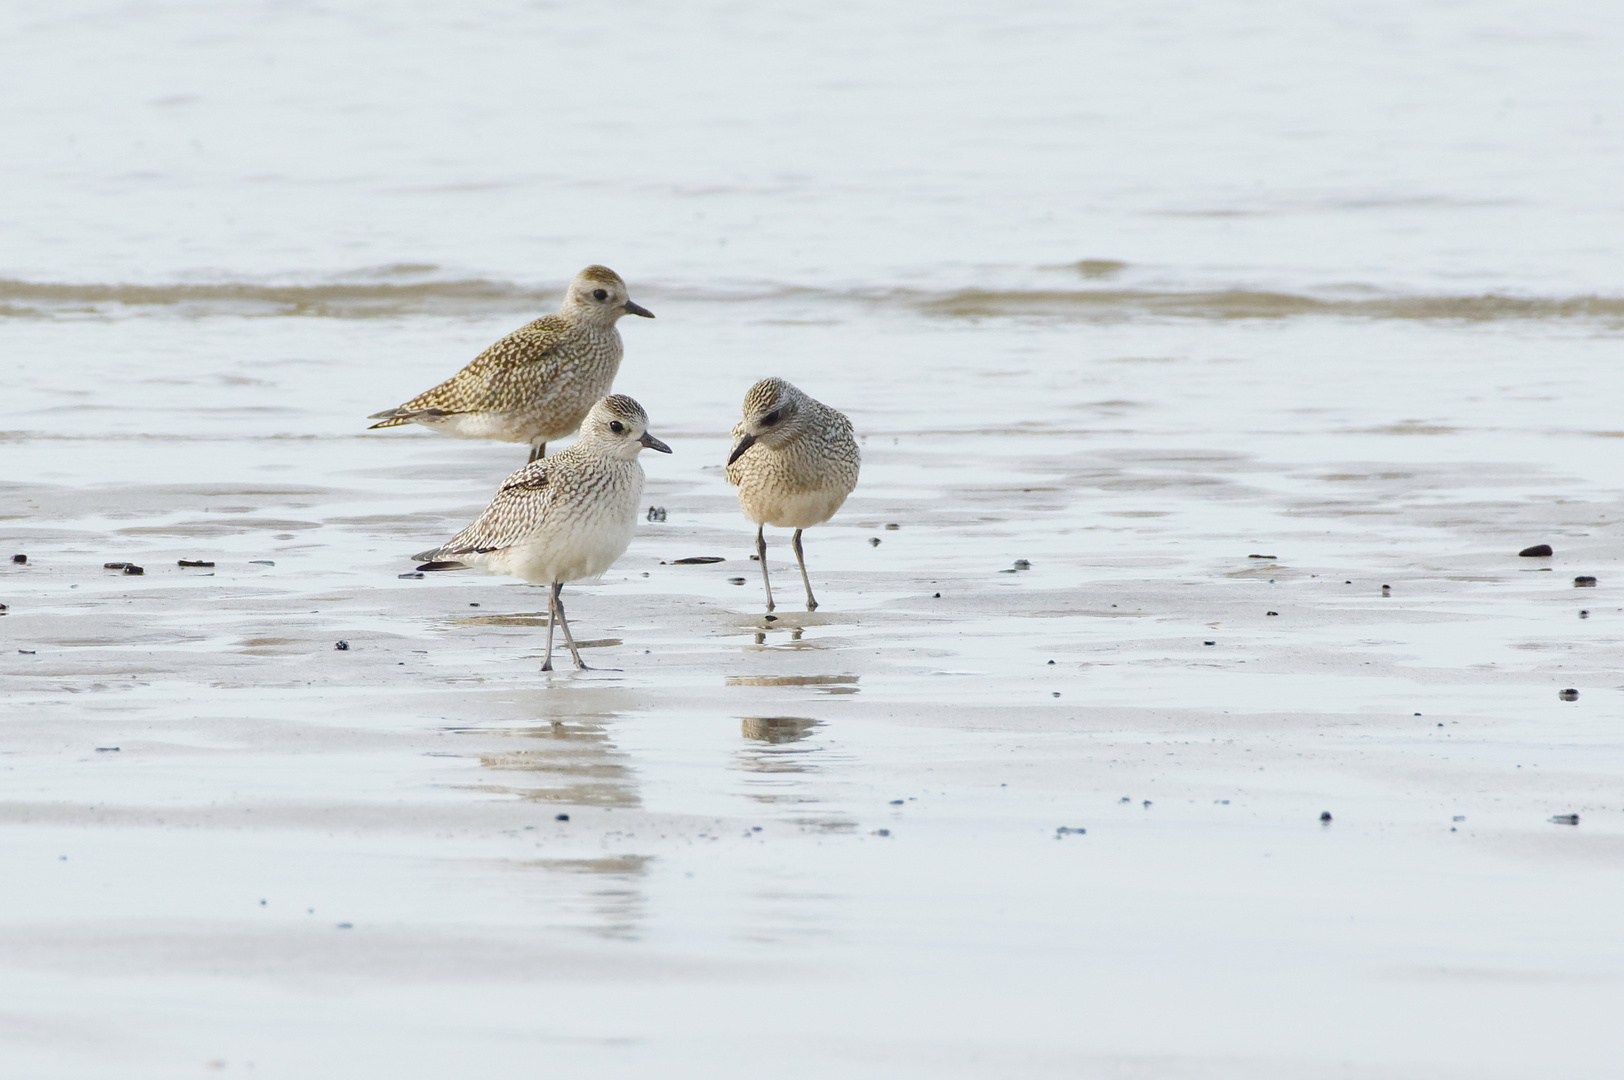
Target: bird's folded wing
[518, 512]
[482, 384]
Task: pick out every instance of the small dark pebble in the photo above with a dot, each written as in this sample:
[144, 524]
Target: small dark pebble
[1584, 581]
[1209, 643]
[114, 565]
[561, 817]
[1569, 694]
[735, 581]
[1022, 564]
[19, 558]
[1057, 693]
[697, 560]
[896, 802]
[1263, 556]
[2, 609]
[1387, 590]
[1051, 661]
[341, 646]
[656, 513]
[1565, 819]
[1325, 817]
[938, 596]
[261, 562]
[26, 652]
[1271, 613]
[770, 618]
[473, 605]
[411, 574]
[194, 562]
[893, 526]
[874, 541]
[134, 570]
[1538, 551]
[1583, 612]
[107, 750]
[1067, 830]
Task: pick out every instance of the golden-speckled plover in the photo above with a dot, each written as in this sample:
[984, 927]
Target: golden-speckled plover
[794, 461]
[537, 383]
[563, 518]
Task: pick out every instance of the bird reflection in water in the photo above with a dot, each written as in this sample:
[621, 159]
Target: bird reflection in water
[780, 763]
[567, 762]
[571, 763]
[612, 900]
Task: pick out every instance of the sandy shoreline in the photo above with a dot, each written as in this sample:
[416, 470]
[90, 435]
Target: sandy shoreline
[733, 836]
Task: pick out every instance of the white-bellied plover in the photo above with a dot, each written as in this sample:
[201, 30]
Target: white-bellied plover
[794, 461]
[563, 518]
[537, 383]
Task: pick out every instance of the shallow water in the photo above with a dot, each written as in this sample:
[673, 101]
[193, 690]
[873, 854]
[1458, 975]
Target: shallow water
[1222, 320]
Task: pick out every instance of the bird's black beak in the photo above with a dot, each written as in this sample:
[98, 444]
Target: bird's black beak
[651, 442]
[638, 309]
[740, 447]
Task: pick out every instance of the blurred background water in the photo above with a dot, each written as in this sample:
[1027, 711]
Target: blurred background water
[1406, 147]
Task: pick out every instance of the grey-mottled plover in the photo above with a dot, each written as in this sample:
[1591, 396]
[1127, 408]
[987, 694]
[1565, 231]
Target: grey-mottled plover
[563, 518]
[794, 461]
[537, 383]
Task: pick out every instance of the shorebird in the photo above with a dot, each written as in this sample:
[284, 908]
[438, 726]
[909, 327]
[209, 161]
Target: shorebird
[537, 383]
[563, 518]
[794, 461]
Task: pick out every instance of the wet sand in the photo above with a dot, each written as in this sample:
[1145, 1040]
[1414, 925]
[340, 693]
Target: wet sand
[824, 842]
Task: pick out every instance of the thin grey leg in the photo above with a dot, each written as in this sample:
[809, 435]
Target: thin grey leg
[558, 602]
[800, 557]
[537, 452]
[547, 664]
[761, 554]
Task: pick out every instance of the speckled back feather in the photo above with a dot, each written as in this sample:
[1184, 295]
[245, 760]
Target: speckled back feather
[536, 383]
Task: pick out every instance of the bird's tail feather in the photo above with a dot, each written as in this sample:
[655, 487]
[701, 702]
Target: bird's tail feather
[402, 415]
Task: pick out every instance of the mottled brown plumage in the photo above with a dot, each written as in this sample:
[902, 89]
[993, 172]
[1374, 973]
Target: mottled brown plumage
[537, 383]
[566, 517]
[794, 461]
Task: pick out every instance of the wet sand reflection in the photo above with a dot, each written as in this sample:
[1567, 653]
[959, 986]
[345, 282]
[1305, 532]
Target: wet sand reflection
[829, 684]
[614, 895]
[781, 766]
[572, 763]
[563, 761]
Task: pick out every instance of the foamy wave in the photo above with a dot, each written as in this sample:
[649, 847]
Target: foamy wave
[375, 299]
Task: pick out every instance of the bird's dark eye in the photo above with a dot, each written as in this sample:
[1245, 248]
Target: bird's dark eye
[600, 294]
[616, 426]
[770, 419]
